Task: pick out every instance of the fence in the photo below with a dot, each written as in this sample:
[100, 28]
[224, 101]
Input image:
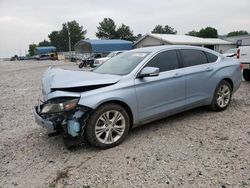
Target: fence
[73, 54]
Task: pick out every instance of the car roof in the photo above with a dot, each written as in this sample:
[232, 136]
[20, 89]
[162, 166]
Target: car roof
[154, 49]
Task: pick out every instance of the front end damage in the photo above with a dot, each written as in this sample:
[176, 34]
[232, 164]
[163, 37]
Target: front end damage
[63, 115]
[62, 90]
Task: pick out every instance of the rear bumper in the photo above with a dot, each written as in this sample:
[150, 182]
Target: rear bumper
[43, 122]
[245, 65]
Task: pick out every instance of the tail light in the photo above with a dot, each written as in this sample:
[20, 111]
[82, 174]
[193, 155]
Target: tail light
[238, 54]
[241, 66]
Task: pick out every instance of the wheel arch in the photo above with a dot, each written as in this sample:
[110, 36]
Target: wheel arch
[230, 82]
[218, 82]
[122, 104]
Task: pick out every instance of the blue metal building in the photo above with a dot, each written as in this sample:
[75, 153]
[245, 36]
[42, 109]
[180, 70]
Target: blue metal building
[45, 49]
[102, 46]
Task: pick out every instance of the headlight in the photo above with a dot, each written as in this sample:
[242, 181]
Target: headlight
[59, 107]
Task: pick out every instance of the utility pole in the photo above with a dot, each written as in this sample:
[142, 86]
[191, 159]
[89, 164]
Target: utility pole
[69, 41]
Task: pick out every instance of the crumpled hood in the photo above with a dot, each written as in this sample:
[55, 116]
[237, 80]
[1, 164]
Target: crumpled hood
[55, 78]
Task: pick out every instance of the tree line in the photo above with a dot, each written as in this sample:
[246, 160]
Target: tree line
[107, 29]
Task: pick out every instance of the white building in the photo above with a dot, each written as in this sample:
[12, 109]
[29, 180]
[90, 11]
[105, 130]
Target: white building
[243, 40]
[216, 44]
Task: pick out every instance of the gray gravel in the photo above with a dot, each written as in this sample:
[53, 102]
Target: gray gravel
[198, 148]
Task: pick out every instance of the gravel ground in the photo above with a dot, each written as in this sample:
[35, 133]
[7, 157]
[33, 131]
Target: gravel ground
[198, 148]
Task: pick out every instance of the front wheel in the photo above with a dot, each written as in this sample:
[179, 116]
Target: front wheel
[108, 126]
[246, 74]
[81, 65]
[222, 96]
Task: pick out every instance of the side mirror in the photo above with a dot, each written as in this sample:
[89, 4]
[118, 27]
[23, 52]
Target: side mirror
[148, 72]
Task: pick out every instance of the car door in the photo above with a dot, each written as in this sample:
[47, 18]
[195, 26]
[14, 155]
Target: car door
[198, 70]
[162, 94]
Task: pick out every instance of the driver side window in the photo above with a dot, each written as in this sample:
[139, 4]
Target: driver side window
[165, 61]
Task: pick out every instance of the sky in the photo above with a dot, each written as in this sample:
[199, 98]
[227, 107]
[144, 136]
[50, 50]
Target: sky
[23, 22]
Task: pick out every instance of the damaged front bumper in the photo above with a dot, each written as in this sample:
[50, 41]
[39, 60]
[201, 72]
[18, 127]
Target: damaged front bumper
[43, 122]
[71, 122]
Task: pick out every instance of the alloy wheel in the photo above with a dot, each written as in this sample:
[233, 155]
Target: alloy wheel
[223, 96]
[110, 127]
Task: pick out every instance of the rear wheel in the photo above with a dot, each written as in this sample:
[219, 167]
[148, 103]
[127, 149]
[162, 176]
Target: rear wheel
[108, 126]
[246, 74]
[222, 96]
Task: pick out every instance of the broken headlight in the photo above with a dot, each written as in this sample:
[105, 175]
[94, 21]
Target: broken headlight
[51, 108]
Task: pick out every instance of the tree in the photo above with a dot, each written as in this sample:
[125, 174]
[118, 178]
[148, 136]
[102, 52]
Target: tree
[193, 33]
[44, 43]
[106, 29]
[55, 40]
[60, 39]
[208, 32]
[158, 29]
[32, 48]
[237, 33]
[164, 30]
[138, 36]
[124, 32]
[76, 33]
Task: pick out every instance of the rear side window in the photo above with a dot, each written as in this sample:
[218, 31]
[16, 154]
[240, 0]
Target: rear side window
[193, 57]
[165, 61]
[211, 57]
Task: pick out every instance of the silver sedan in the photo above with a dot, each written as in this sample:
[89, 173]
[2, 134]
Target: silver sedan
[134, 88]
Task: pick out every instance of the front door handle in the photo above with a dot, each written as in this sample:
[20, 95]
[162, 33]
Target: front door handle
[177, 75]
[208, 69]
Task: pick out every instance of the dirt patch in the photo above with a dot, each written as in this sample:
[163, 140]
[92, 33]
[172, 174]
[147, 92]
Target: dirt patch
[60, 175]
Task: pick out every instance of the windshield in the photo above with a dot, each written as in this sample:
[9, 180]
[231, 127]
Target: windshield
[111, 54]
[121, 64]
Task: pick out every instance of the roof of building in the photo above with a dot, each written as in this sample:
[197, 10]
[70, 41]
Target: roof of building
[45, 49]
[185, 39]
[99, 46]
[234, 39]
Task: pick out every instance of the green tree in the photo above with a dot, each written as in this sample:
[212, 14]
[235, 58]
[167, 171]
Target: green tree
[44, 43]
[138, 36]
[158, 29]
[55, 40]
[193, 33]
[164, 30]
[76, 33]
[124, 32]
[60, 39]
[208, 32]
[237, 33]
[106, 29]
[32, 48]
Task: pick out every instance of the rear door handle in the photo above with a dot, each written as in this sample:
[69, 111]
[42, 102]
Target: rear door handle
[208, 69]
[177, 75]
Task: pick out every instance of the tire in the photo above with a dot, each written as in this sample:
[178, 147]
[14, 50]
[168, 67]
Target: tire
[246, 74]
[103, 130]
[81, 65]
[222, 96]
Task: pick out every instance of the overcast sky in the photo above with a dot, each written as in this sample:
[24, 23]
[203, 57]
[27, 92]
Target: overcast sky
[30, 21]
